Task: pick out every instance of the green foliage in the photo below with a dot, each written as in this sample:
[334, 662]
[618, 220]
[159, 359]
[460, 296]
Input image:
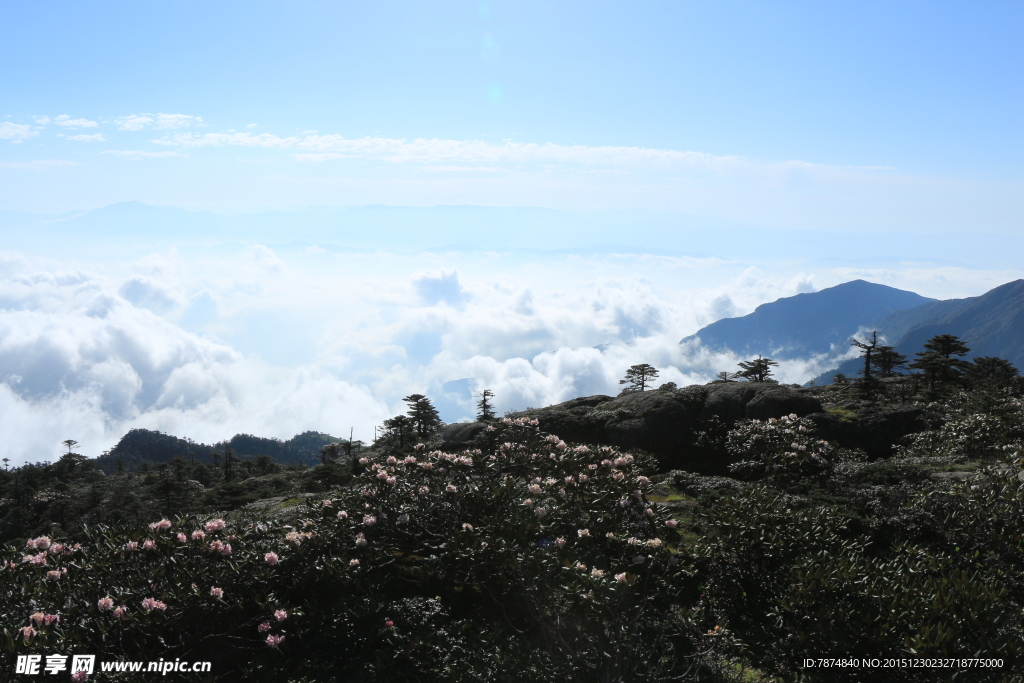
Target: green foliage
[780, 450]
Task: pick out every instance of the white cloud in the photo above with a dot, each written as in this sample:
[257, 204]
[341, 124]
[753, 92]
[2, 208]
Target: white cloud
[68, 122]
[16, 131]
[252, 125]
[97, 137]
[136, 122]
[136, 154]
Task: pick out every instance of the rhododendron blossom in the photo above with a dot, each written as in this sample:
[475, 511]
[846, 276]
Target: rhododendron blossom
[198, 534]
[105, 604]
[274, 641]
[215, 525]
[271, 558]
[149, 604]
[27, 632]
[161, 525]
[280, 614]
[217, 592]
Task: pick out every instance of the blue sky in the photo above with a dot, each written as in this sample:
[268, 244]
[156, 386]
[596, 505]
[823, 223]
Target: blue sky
[649, 168]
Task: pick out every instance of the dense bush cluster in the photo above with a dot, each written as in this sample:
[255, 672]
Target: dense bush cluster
[530, 556]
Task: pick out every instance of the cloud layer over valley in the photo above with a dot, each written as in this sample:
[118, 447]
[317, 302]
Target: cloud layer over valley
[206, 342]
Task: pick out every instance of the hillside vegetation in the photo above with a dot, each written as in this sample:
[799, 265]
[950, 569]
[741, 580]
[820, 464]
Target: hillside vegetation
[524, 557]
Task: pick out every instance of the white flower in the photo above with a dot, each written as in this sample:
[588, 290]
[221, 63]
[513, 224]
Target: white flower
[584, 533]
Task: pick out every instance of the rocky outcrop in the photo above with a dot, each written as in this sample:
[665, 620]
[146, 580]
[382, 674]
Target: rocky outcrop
[662, 422]
[874, 429]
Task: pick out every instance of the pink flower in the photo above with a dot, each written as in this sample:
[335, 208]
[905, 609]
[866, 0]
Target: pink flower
[649, 512]
[353, 563]
[79, 676]
[37, 618]
[35, 559]
[327, 503]
[584, 533]
[360, 540]
[150, 604]
[131, 545]
[539, 511]
[105, 604]
[55, 574]
[466, 526]
[27, 632]
[427, 465]
[617, 476]
[671, 523]
[217, 592]
[198, 535]
[388, 623]
[364, 461]
[274, 641]
[51, 619]
[560, 542]
[120, 612]
[41, 543]
[215, 525]
[369, 520]
[182, 538]
[264, 627]
[390, 481]
[280, 615]
[56, 549]
[161, 525]
[382, 475]
[342, 514]
[148, 544]
[271, 558]
[621, 578]
[410, 460]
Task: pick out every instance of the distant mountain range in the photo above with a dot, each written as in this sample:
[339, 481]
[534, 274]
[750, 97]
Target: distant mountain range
[807, 324]
[145, 445]
[991, 325]
[823, 322]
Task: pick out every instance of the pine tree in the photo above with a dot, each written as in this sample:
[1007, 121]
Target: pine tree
[887, 361]
[867, 346]
[991, 369]
[639, 378]
[423, 414]
[485, 409]
[937, 360]
[757, 370]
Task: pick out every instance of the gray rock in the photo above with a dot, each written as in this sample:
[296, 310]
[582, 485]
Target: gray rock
[664, 422]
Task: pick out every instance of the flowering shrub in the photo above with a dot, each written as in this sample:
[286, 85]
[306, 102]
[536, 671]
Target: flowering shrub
[528, 555]
[780, 449]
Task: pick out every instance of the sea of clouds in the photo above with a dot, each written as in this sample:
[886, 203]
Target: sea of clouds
[207, 342]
